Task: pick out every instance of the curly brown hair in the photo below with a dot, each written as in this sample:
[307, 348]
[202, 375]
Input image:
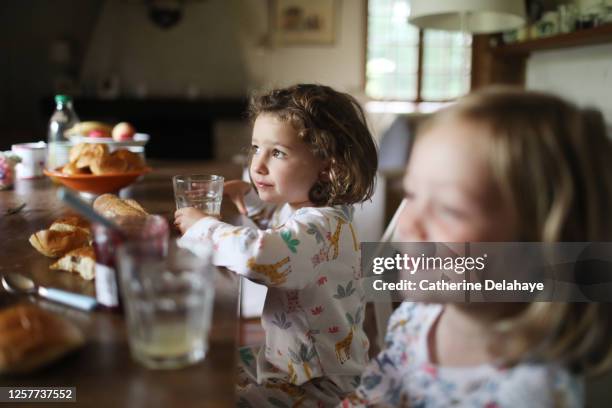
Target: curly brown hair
[334, 127]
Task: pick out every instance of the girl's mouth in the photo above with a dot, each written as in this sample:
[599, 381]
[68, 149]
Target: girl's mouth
[262, 185]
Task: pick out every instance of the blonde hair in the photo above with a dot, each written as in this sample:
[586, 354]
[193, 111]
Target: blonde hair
[550, 161]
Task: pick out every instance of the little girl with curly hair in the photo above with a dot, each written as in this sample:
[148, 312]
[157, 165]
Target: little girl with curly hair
[312, 158]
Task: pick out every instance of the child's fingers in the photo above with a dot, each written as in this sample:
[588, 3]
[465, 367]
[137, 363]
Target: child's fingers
[181, 212]
[178, 214]
[181, 225]
[185, 212]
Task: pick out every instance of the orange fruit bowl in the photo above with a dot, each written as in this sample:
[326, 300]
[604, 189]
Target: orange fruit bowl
[96, 183]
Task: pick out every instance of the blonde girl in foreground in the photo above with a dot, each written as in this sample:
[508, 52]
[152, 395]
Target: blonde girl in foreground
[499, 165]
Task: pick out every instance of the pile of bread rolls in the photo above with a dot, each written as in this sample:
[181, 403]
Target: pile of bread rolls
[70, 239]
[95, 158]
[31, 337]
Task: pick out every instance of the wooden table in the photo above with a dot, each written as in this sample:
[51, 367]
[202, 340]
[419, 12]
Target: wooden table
[102, 371]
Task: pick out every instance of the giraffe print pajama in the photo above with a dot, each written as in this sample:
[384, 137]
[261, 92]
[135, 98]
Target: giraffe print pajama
[315, 347]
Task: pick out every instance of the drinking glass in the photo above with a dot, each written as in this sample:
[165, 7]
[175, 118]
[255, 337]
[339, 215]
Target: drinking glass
[202, 191]
[168, 302]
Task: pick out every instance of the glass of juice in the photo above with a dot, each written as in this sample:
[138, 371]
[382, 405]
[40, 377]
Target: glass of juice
[168, 303]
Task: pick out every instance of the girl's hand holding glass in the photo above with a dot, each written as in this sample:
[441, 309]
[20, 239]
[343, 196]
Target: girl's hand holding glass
[184, 218]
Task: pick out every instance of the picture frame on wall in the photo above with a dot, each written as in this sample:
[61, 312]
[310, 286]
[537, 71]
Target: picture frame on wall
[304, 22]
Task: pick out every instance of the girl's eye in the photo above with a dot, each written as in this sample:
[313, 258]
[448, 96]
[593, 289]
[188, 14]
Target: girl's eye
[452, 212]
[278, 154]
[409, 196]
[254, 149]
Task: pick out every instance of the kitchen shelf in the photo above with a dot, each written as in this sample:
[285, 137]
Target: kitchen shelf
[590, 36]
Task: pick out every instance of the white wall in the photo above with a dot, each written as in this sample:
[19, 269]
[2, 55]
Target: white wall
[217, 47]
[201, 52]
[339, 65]
[582, 74]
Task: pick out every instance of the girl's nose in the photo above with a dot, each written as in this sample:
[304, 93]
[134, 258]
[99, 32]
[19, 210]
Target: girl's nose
[410, 227]
[258, 165]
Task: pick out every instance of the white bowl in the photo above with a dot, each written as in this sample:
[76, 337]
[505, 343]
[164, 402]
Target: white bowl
[140, 139]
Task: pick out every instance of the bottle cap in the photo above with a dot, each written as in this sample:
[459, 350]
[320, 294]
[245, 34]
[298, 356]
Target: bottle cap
[62, 98]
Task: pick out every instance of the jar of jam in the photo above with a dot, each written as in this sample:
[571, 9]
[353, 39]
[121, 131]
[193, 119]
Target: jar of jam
[152, 229]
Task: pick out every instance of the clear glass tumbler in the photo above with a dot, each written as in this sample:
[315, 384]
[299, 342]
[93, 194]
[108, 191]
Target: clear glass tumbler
[202, 191]
[168, 302]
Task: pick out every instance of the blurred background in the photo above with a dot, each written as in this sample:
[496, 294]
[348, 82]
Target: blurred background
[184, 68]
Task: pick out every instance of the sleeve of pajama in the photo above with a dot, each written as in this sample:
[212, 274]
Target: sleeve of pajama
[273, 257]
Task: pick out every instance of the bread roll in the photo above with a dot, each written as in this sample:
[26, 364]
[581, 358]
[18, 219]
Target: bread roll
[136, 205]
[134, 161]
[71, 223]
[57, 243]
[77, 151]
[87, 158]
[108, 164]
[71, 169]
[109, 205]
[80, 260]
[31, 337]
[91, 153]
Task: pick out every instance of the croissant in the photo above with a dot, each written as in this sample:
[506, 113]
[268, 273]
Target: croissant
[110, 163]
[54, 243]
[71, 223]
[80, 260]
[87, 154]
[87, 158]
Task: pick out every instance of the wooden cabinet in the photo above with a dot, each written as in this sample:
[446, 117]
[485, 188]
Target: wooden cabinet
[506, 63]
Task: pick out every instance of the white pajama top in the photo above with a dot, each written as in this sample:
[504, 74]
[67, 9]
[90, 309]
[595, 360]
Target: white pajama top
[314, 309]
